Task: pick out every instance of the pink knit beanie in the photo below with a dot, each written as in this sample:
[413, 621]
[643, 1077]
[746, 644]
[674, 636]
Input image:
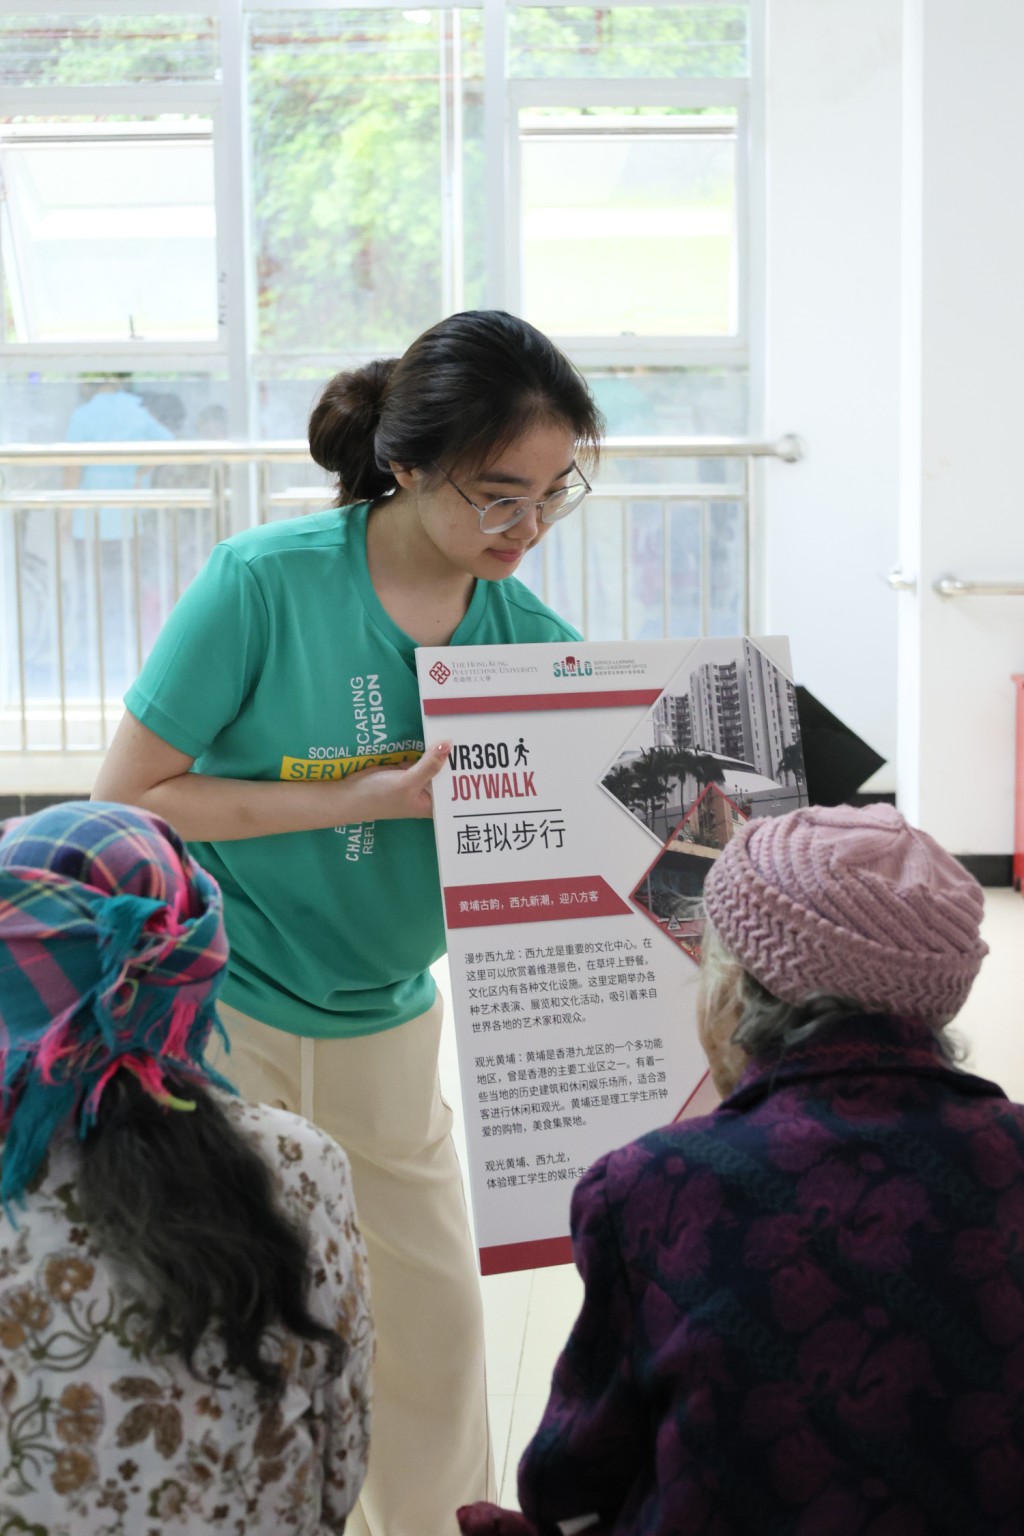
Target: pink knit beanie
[853, 903]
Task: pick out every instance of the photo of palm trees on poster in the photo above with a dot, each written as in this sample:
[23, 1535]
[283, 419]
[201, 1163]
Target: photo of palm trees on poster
[720, 745]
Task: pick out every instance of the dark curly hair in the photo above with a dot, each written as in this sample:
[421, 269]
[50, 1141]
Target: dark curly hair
[188, 1207]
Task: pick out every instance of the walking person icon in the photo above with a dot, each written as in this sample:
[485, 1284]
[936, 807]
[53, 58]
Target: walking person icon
[522, 753]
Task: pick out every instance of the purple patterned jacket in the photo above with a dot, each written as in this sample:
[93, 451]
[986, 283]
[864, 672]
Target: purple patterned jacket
[804, 1314]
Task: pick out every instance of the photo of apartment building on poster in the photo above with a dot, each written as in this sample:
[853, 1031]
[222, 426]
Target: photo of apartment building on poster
[728, 719]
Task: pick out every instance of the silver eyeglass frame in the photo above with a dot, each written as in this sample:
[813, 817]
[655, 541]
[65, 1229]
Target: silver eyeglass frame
[540, 505]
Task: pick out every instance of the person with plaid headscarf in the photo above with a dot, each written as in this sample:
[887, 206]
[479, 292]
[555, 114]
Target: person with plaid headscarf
[184, 1323]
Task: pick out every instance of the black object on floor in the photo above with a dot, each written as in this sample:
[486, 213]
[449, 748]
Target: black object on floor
[837, 761]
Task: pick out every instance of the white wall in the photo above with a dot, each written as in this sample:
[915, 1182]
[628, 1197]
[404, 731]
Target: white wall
[963, 410]
[830, 525]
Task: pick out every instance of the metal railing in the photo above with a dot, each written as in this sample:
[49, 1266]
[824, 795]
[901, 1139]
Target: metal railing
[661, 547]
[952, 586]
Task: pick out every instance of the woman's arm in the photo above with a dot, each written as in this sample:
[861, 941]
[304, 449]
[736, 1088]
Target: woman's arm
[142, 769]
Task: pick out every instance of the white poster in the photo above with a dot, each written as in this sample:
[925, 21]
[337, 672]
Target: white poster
[587, 791]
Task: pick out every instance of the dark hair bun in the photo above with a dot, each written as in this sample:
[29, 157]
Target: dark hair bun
[343, 427]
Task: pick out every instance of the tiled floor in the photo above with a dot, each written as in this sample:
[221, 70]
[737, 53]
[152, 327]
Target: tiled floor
[528, 1315]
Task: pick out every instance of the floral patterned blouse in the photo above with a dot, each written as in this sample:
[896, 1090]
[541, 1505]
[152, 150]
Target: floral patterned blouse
[97, 1439]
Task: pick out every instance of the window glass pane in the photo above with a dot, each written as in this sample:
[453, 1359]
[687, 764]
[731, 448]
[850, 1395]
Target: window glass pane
[663, 552]
[666, 566]
[283, 404]
[646, 572]
[282, 414]
[628, 222]
[54, 49]
[108, 230]
[674, 402]
[84, 618]
[631, 43]
[36, 406]
[350, 247]
[725, 570]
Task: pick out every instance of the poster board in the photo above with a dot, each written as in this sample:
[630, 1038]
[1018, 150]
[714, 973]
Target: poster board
[587, 792]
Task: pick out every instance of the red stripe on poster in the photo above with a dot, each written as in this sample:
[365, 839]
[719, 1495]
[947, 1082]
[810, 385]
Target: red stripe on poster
[531, 901]
[503, 1258]
[517, 703]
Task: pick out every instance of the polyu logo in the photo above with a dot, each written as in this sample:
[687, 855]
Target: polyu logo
[440, 673]
[572, 666]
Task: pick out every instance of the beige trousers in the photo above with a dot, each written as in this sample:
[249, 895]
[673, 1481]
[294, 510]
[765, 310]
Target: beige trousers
[379, 1097]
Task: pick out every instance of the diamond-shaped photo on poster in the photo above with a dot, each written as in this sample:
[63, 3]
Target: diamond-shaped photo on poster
[670, 892]
[727, 717]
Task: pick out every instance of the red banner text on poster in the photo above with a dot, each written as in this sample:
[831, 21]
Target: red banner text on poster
[531, 901]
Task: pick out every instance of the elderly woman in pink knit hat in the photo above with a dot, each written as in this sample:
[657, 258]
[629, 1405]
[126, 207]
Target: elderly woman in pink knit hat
[804, 1313]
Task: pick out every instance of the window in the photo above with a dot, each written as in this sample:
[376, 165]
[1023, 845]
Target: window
[108, 231]
[628, 222]
[300, 185]
[359, 206]
[629, 42]
[41, 47]
[219, 204]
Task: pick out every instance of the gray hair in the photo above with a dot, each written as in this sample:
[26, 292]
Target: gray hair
[767, 1025]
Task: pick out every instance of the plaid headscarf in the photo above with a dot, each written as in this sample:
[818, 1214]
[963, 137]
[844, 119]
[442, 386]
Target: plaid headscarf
[112, 952]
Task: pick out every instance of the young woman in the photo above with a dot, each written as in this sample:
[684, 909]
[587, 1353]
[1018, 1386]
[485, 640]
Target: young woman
[185, 1340]
[277, 725]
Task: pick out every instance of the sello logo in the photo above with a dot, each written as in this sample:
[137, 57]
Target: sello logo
[572, 666]
[440, 673]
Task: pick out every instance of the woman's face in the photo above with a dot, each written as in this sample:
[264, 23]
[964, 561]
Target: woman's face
[534, 465]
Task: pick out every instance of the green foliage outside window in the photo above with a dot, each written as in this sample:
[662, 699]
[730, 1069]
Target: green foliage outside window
[345, 114]
[346, 152]
[628, 42]
[48, 48]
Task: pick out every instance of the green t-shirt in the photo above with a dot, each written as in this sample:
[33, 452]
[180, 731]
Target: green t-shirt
[280, 662]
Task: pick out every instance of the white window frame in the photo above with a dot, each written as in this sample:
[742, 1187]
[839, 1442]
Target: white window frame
[731, 349]
[505, 97]
[131, 101]
[224, 102]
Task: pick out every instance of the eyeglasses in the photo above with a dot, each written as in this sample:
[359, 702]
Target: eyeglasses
[500, 515]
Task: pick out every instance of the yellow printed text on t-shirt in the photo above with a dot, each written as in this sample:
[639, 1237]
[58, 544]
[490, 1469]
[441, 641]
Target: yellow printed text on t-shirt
[342, 767]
